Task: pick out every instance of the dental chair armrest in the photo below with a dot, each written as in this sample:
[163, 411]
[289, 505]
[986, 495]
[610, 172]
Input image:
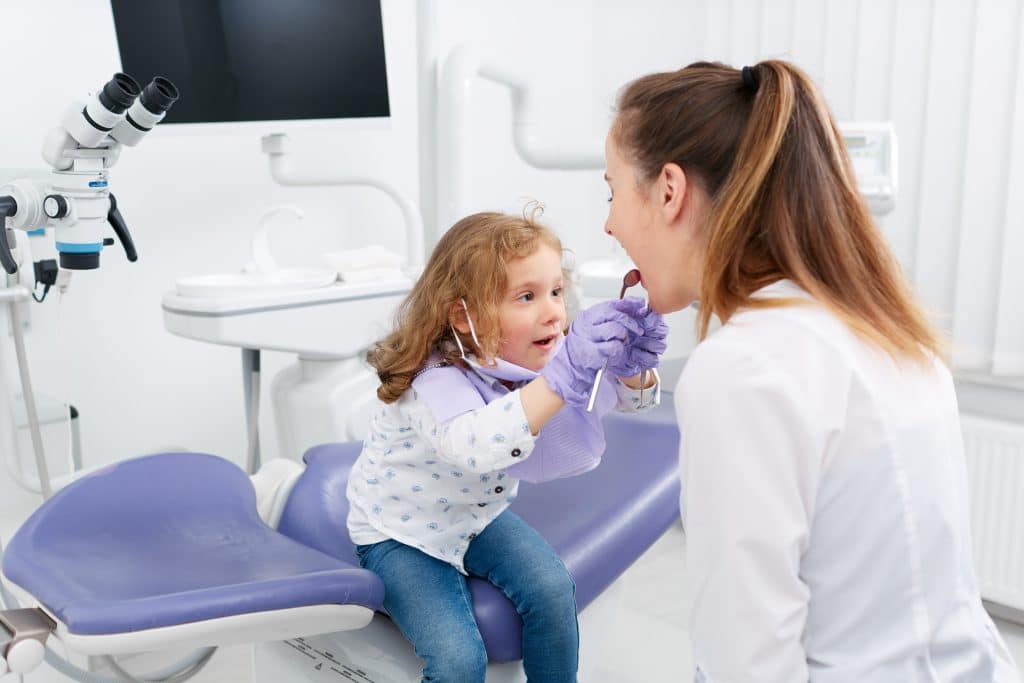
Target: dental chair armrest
[23, 634]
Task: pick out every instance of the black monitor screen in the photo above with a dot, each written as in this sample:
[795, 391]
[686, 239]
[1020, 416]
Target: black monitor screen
[258, 60]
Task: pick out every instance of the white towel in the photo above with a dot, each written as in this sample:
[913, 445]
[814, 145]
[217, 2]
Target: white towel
[371, 274]
[373, 256]
[368, 264]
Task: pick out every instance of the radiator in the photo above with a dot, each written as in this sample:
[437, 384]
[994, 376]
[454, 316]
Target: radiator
[995, 472]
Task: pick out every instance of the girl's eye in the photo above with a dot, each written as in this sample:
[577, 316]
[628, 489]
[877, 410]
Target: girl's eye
[528, 296]
[609, 199]
[557, 291]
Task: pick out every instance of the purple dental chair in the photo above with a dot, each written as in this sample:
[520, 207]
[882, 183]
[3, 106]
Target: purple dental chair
[174, 541]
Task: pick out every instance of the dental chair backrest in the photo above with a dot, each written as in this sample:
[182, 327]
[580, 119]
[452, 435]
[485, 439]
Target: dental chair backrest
[316, 512]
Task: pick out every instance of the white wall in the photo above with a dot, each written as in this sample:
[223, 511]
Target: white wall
[948, 72]
[576, 53]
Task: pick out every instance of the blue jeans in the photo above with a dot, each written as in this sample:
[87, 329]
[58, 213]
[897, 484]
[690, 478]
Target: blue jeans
[429, 601]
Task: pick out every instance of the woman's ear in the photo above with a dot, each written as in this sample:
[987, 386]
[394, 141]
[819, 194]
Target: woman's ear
[672, 188]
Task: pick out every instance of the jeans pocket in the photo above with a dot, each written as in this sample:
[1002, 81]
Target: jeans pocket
[361, 551]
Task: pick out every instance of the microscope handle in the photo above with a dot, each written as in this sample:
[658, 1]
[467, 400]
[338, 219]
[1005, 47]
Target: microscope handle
[8, 207]
[121, 230]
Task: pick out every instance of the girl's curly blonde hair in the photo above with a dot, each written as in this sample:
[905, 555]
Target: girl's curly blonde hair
[470, 263]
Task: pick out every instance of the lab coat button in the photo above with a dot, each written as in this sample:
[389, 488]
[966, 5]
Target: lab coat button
[516, 452]
[481, 505]
[499, 489]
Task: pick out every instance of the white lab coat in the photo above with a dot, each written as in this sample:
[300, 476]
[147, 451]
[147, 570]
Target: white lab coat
[825, 506]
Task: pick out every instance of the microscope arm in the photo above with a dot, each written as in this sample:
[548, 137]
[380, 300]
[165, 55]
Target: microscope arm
[8, 207]
[121, 230]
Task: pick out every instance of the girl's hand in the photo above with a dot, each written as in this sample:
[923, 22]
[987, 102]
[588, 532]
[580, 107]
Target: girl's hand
[643, 350]
[646, 349]
[599, 334]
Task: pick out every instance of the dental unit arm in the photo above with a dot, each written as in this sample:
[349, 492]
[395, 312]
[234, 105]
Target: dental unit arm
[75, 200]
[277, 147]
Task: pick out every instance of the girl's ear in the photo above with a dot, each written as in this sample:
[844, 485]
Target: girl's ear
[457, 318]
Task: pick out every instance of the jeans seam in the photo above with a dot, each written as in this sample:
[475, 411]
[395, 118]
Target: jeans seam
[467, 599]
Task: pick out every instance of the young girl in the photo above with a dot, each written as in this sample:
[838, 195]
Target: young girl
[476, 367]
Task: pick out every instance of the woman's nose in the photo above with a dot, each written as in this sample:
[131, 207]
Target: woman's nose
[607, 228]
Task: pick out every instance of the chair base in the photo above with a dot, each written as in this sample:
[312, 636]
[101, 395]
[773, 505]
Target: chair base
[383, 655]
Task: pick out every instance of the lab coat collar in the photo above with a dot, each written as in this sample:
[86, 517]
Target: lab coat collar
[781, 289]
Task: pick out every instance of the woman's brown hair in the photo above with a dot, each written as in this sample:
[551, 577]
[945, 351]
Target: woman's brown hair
[470, 263]
[784, 202]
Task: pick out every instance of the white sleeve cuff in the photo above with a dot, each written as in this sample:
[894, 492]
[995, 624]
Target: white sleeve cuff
[638, 400]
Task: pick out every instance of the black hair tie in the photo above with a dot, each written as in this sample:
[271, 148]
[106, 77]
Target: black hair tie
[749, 79]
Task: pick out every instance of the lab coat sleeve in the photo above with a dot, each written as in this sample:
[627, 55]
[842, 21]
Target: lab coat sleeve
[747, 441]
[489, 438]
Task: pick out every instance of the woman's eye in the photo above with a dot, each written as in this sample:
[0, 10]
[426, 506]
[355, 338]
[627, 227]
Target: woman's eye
[609, 199]
[557, 291]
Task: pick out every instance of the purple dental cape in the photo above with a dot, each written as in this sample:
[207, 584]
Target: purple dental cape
[572, 442]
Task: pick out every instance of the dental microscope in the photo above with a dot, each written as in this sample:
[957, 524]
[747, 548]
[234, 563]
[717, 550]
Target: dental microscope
[75, 200]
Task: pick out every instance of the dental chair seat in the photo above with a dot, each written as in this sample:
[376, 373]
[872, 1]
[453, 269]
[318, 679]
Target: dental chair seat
[171, 540]
[599, 522]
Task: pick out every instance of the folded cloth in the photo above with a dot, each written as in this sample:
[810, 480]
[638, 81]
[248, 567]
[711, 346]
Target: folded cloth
[371, 275]
[365, 258]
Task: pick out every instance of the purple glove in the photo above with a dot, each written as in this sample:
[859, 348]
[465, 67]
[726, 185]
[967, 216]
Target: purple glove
[646, 349]
[643, 350]
[597, 335]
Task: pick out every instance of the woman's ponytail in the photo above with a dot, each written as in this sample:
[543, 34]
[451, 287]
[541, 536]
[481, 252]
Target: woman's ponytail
[784, 203]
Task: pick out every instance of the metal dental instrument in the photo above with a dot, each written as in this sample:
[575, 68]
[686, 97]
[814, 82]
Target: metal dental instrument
[628, 280]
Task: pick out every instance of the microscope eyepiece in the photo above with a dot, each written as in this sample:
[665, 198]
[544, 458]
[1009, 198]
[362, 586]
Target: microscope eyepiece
[119, 93]
[159, 95]
[147, 111]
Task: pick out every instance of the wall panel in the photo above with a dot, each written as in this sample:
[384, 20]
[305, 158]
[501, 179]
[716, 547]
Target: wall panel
[939, 198]
[983, 187]
[1008, 353]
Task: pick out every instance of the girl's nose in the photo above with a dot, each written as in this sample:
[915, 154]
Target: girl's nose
[607, 228]
[555, 310]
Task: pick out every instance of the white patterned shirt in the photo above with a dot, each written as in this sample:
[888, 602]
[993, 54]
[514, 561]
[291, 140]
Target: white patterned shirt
[435, 485]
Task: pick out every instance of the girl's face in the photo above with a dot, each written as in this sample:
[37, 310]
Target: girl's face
[658, 226]
[532, 311]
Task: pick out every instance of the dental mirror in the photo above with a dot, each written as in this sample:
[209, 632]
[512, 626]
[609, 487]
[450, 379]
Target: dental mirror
[628, 280]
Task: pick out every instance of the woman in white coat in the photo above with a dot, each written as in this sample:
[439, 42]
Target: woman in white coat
[824, 483]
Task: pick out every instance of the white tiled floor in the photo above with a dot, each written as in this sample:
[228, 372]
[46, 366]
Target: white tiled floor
[654, 647]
